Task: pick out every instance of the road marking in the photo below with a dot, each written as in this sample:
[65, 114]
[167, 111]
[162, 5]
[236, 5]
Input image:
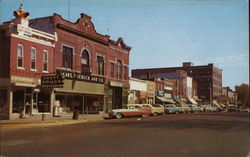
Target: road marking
[42, 124]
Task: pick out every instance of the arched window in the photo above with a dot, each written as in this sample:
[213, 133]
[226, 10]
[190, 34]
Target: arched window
[119, 69]
[85, 62]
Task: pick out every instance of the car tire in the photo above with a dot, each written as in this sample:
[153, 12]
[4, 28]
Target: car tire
[143, 115]
[155, 114]
[177, 112]
[118, 116]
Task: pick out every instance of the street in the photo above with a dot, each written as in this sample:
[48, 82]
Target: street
[177, 135]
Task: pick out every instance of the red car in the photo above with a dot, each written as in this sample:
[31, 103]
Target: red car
[131, 110]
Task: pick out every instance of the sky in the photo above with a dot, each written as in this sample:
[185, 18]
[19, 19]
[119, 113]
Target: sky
[163, 33]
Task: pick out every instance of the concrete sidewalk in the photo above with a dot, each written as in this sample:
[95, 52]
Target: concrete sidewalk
[36, 120]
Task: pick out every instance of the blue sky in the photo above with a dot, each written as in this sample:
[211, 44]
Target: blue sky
[163, 33]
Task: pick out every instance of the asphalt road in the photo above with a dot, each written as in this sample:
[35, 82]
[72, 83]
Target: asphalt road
[183, 135]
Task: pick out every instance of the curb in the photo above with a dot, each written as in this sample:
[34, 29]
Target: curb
[42, 124]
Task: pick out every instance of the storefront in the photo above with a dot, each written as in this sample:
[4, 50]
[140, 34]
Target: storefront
[80, 92]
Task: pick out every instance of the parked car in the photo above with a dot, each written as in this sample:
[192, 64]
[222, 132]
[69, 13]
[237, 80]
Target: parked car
[180, 108]
[186, 108]
[232, 109]
[157, 109]
[130, 111]
[195, 108]
[170, 109]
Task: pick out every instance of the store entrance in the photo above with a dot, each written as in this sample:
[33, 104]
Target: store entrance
[117, 98]
[18, 101]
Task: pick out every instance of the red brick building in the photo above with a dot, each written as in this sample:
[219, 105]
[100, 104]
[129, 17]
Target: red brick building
[208, 78]
[94, 67]
[83, 51]
[25, 55]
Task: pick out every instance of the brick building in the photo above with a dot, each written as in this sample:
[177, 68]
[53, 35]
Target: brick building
[94, 67]
[208, 78]
[81, 50]
[25, 55]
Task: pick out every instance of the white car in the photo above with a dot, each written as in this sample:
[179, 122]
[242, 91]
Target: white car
[157, 109]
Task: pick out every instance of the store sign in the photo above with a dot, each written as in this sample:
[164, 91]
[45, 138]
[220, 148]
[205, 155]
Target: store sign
[52, 81]
[80, 77]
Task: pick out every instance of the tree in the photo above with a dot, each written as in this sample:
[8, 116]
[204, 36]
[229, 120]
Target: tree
[243, 94]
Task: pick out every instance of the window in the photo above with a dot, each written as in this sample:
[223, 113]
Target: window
[85, 62]
[125, 72]
[45, 61]
[67, 57]
[119, 69]
[112, 70]
[20, 56]
[33, 58]
[100, 65]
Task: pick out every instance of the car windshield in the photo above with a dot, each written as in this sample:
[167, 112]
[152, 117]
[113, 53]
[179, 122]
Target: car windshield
[155, 105]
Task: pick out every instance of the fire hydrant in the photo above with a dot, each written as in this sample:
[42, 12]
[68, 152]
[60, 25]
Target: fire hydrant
[43, 117]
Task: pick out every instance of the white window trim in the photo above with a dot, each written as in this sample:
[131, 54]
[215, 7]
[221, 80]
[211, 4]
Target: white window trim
[47, 61]
[22, 68]
[35, 69]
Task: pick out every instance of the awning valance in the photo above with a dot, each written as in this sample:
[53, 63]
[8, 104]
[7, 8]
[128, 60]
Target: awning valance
[166, 100]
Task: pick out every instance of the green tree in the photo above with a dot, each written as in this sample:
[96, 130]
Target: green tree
[243, 94]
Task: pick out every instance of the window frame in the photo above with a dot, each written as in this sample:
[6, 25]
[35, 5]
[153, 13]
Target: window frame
[45, 61]
[100, 65]
[21, 57]
[66, 55]
[32, 59]
[119, 69]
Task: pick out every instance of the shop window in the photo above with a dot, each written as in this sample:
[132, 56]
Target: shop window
[100, 65]
[45, 61]
[85, 68]
[93, 104]
[67, 57]
[33, 58]
[119, 69]
[112, 69]
[20, 56]
[43, 102]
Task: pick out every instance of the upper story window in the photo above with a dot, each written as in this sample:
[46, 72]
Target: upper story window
[33, 58]
[100, 65]
[85, 68]
[20, 56]
[125, 72]
[45, 61]
[112, 70]
[119, 69]
[67, 57]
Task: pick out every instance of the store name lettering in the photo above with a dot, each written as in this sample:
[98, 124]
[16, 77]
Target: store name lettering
[81, 77]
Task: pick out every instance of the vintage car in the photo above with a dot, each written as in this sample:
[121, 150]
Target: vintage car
[131, 110]
[170, 108]
[157, 109]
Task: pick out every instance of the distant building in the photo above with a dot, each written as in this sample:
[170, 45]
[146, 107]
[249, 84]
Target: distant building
[228, 97]
[208, 78]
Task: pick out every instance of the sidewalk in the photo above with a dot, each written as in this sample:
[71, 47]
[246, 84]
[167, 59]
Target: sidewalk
[36, 120]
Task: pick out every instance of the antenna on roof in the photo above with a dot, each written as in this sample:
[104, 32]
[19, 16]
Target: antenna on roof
[69, 10]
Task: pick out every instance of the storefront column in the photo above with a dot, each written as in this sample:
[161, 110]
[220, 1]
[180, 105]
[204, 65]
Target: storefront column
[52, 101]
[9, 103]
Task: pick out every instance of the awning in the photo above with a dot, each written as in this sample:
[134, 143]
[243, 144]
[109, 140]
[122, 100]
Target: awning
[216, 103]
[167, 100]
[222, 105]
[192, 101]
